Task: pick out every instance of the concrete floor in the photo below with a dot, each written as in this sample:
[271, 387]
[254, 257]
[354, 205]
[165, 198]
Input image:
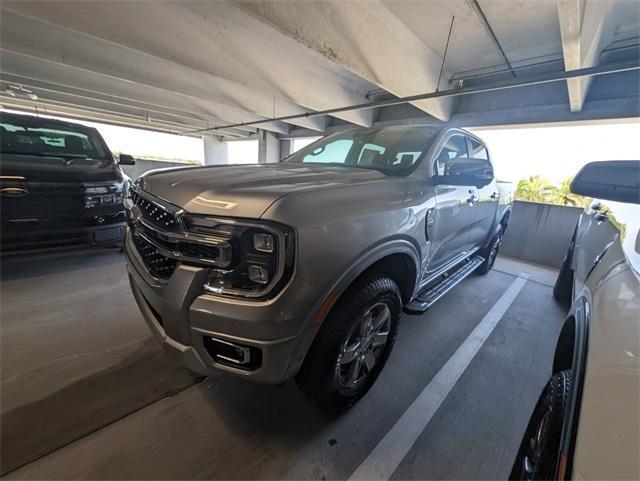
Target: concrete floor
[86, 329]
[75, 352]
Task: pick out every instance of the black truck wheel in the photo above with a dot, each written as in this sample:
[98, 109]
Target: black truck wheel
[490, 252]
[353, 344]
[539, 451]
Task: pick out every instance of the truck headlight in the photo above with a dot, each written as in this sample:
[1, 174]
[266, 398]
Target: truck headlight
[97, 194]
[262, 256]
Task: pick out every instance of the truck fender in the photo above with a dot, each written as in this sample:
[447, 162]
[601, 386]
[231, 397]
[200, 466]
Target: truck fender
[340, 284]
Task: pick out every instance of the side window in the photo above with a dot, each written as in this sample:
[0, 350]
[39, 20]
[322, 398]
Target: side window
[455, 148]
[478, 151]
[332, 153]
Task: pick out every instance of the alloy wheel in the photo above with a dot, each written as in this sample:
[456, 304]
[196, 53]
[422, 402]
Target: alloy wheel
[363, 348]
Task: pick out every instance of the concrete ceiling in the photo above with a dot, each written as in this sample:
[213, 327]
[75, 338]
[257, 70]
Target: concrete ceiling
[181, 66]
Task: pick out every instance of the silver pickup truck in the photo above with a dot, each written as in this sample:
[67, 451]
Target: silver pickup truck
[302, 268]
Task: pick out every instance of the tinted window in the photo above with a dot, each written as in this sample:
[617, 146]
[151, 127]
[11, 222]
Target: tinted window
[455, 148]
[388, 149]
[478, 151]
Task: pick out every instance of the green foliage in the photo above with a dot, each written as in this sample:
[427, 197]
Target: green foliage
[538, 189]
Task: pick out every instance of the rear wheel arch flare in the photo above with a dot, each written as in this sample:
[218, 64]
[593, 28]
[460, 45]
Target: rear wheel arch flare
[563, 357]
[571, 350]
[504, 221]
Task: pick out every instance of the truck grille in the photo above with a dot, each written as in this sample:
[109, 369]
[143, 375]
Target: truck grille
[155, 214]
[162, 243]
[158, 265]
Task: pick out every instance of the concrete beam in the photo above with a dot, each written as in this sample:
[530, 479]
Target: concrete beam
[218, 49]
[97, 104]
[585, 27]
[367, 39]
[79, 60]
[51, 77]
[613, 96]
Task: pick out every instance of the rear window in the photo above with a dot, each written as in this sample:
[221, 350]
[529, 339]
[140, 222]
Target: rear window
[23, 137]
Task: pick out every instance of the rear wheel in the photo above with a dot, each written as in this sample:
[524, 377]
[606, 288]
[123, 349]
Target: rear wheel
[490, 252]
[353, 344]
[539, 451]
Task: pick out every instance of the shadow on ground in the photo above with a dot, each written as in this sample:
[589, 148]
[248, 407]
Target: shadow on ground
[33, 430]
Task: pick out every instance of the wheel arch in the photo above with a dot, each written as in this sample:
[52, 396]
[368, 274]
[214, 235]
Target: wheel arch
[399, 259]
[504, 219]
[571, 353]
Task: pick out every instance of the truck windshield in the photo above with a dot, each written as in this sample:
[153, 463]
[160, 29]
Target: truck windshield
[43, 138]
[392, 150]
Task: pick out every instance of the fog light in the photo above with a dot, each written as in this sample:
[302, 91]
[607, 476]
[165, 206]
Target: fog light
[90, 202]
[263, 242]
[258, 274]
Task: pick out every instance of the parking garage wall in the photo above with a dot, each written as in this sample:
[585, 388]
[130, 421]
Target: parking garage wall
[143, 165]
[540, 232]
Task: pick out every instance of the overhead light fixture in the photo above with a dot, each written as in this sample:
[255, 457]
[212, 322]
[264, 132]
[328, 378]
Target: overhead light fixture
[18, 91]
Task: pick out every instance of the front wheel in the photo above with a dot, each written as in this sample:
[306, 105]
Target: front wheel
[353, 344]
[538, 454]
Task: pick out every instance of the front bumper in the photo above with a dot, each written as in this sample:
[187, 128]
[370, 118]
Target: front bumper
[184, 318]
[45, 240]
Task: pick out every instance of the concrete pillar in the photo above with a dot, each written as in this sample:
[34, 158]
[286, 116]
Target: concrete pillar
[286, 147]
[268, 147]
[215, 151]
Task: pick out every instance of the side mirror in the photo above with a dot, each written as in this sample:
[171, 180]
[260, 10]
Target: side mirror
[126, 159]
[476, 172]
[615, 180]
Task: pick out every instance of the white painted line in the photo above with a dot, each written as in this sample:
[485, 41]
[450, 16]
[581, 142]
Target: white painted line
[391, 450]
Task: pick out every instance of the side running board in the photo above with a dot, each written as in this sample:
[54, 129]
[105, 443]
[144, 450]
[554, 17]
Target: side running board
[447, 281]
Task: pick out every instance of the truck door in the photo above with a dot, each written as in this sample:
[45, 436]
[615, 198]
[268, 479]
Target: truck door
[454, 211]
[487, 198]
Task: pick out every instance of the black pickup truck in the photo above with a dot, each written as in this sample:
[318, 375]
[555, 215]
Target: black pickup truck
[60, 185]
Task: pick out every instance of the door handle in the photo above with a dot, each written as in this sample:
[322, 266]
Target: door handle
[495, 195]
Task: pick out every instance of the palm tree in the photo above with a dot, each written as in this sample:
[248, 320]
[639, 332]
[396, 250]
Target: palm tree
[562, 195]
[534, 189]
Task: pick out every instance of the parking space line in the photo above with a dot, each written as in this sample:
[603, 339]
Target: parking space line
[394, 446]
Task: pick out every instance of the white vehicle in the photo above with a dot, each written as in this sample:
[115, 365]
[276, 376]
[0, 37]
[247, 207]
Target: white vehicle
[586, 424]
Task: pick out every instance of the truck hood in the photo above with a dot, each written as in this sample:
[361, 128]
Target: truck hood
[249, 190]
[54, 169]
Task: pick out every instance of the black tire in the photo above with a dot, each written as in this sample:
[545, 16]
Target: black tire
[322, 375]
[490, 252]
[563, 288]
[539, 451]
